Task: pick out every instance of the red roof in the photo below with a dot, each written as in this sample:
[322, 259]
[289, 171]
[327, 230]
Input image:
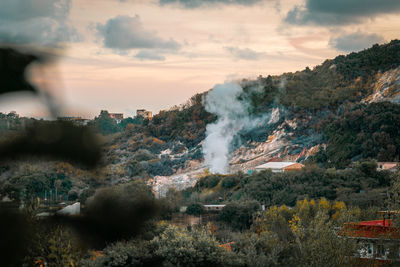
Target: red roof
[370, 229]
[377, 222]
[294, 167]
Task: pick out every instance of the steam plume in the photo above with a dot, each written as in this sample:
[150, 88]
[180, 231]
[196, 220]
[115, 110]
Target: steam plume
[223, 101]
[232, 117]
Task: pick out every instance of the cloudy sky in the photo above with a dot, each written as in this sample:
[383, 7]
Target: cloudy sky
[123, 55]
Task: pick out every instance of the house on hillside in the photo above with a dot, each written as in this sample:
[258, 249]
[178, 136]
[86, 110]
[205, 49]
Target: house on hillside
[378, 241]
[147, 115]
[387, 166]
[118, 117]
[280, 166]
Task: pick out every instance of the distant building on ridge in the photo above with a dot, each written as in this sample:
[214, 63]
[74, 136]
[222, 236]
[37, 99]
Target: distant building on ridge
[148, 115]
[118, 117]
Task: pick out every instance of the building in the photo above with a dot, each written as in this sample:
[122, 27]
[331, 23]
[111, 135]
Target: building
[280, 166]
[118, 117]
[148, 115]
[378, 241]
[387, 166]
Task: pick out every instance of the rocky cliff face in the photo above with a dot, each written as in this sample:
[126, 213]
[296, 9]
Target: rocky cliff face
[386, 87]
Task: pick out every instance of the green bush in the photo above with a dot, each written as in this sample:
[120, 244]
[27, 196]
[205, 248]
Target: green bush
[209, 181]
[229, 182]
[195, 209]
[239, 215]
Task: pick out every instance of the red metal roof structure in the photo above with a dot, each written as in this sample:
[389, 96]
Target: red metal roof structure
[379, 229]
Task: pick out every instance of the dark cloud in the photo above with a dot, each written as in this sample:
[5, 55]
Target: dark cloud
[340, 12]
[354, 42]
[149, 55]
[43, 22]
[124, 33]
[201, 3]
[244, 53]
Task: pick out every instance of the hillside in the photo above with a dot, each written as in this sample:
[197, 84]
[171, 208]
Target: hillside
[294, 116]
[339, 112]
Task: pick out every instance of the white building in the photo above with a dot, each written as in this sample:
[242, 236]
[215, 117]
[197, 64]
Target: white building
[280, 166]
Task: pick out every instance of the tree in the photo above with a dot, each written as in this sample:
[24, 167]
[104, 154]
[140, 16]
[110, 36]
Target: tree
[178, 247]
[173, 246]
[321, 247]
[239, 215]
[55, 246]
[105, 124]
[305, 234]
[195, 209]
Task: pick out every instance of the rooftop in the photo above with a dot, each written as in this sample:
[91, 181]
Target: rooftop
[275, 165]
[379, 229]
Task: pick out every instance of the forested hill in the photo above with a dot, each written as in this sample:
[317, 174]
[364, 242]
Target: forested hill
[333, 114]
[331, 99]
[342, 111]
[334, 83]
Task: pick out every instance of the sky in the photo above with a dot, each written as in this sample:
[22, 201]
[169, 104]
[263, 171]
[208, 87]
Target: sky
[124, 55]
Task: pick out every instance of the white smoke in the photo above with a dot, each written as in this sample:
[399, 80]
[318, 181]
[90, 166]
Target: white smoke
[232, 116]
[274, 116]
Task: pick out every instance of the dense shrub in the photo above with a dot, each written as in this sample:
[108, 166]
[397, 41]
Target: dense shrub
[229, 182]
[195, 209]
[239, 214]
